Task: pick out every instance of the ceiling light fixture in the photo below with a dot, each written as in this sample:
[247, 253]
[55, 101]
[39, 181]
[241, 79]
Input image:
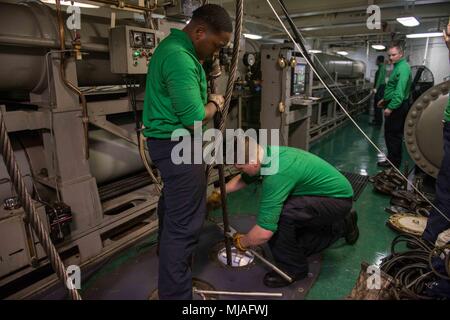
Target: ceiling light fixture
[252, 36]
[69, 3]
[378, 47]
[424, 35]
[408, 21]
[342, 53]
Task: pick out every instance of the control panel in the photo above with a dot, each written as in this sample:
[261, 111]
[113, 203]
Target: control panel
[298, 79]
[131, 49]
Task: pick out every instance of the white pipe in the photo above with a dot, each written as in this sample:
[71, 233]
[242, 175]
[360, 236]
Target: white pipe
[234, 293]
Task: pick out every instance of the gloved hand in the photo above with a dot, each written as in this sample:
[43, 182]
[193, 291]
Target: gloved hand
[214, 201]
[237, 242]
[218, 100]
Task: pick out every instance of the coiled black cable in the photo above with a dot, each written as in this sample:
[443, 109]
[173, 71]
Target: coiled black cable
[413, 269]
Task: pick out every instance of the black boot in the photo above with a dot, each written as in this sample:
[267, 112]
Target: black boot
[274, 280]
[351, 227]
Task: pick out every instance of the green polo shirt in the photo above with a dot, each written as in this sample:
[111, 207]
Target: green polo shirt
[176, 89]
[380, 76]
[300, 173]
[447, 111]
[399, 84]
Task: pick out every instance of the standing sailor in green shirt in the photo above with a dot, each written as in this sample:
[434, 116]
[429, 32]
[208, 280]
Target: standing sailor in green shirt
[305, 206]
[436, 223]
[176, 97]
[378, 89]
[396, 104]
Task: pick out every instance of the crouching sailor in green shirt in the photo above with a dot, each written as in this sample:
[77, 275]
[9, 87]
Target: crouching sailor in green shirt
[176, 97]
[305, 206]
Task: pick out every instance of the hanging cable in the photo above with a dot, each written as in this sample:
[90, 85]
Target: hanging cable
[130, 84]
[301, 48]
[221, 119]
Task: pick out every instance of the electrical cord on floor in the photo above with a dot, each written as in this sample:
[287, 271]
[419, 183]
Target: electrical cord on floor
[413, 269]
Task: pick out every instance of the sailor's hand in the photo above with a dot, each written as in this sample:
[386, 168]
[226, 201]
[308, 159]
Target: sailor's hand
[218, 100]
[237, 242]
[387, 112]
[214, 201]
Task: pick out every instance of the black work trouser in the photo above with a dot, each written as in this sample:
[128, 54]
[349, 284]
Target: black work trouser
[436, 222]
[393, 133]
[307, 225]
[378, 112]
[181, 212]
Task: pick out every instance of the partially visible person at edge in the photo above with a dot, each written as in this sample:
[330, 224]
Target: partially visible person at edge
[378, 90]
[439, 221]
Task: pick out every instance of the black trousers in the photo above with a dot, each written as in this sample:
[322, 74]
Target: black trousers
[393, 133]
[307, 225]
[181, 212]
[436, 222]
[378, 112]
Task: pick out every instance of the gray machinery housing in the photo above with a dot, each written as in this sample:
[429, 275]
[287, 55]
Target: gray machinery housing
[295, 102]
[286, 86]
[108, 197]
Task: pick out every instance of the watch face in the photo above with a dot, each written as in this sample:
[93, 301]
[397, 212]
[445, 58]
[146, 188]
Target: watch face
[249, 59]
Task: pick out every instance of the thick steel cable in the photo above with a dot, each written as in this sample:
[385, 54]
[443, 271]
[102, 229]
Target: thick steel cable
[223, 119]
[233, 70]
[234, 63]
[31, 214]
[305, 55]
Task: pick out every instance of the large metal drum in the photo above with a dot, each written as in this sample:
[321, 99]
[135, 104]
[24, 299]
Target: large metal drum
[423, 128]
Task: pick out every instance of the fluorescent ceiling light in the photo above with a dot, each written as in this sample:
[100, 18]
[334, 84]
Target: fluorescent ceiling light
[408, 21]
[69, 3]
[158, 16]
[342, 53]
[315, 51]
[252, 36]
[425, 35]
[378, 47]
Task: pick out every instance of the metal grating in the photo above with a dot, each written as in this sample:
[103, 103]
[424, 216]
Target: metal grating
[357, 181]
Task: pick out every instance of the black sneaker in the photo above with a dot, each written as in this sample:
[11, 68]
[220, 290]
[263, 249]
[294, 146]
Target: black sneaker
[351, 227]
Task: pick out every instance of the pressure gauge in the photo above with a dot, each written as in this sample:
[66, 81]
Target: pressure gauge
[249, 59]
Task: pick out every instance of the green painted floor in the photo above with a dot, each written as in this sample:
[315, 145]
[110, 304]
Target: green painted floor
[347, 150]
